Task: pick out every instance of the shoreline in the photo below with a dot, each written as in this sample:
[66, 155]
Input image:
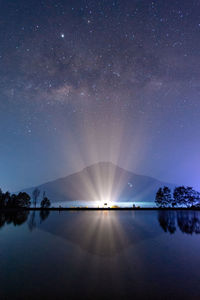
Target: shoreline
[96, 208]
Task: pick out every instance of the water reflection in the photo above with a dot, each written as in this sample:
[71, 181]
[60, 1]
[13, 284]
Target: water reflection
[15, 217]
[44, 215]
[102, 233]
[187, 221]
[101, 255]
[20, 217]
[32, 221]
[167, 220]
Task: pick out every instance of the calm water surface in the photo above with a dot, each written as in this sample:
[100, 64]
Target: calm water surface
[100, 255]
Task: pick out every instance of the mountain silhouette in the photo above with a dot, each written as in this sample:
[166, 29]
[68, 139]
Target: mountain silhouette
[102, 181]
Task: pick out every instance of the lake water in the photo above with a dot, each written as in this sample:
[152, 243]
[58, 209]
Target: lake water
[100, 255]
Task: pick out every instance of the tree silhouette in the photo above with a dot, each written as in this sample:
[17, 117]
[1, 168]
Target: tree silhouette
[11, 201]
[1, 199]
[159, 197]
[186, 196]
[35, 195]
[6, 198]
[45, 203]
[193, 197]
[23, 200]
[167, 196]
[163, 197]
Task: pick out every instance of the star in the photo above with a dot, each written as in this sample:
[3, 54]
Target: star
[62, 35]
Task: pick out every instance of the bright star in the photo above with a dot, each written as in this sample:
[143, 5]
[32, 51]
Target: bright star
[62, 35]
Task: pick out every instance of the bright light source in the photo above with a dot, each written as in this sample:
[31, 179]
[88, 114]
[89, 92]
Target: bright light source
[104, 203]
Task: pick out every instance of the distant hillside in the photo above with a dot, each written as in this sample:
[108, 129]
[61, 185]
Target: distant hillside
[101, 180]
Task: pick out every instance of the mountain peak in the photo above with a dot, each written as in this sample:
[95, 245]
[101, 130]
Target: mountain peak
[102, 178]
[103, 164]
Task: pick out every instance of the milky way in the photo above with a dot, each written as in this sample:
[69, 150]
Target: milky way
[121, 78]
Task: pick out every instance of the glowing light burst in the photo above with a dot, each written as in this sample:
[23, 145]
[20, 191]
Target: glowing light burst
[105, 203]
[106, 144]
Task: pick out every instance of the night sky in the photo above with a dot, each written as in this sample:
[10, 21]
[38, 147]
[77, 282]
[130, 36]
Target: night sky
[88, 81]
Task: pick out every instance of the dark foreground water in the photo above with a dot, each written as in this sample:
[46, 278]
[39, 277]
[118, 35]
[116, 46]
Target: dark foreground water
[100, 255]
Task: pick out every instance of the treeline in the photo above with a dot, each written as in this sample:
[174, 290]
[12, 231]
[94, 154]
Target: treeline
[180, 197]
[23, 200]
